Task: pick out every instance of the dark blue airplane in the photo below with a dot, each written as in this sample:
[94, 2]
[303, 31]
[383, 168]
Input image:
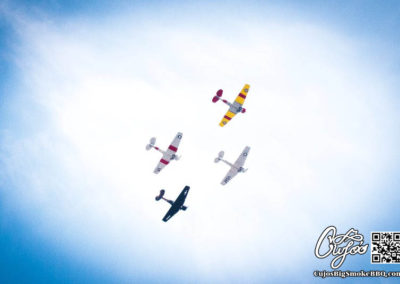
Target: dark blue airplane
[175, 206]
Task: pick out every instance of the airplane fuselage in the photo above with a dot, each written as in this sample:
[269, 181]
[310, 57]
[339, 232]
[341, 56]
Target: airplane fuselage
[173, 156]
[167, 200]
[172, 203]
[229, 164]
[233, 107]
[240, 169]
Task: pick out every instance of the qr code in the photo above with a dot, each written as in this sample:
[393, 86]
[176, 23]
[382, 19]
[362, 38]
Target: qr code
[385, 247]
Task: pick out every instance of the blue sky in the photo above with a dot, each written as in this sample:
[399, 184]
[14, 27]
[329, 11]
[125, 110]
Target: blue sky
[77, 190]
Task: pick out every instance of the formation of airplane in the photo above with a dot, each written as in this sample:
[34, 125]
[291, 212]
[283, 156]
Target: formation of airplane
[235, 107]
[236, 168]
[175, 205]
[168, 155]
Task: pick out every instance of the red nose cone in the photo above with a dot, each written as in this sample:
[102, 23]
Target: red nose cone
[215, 99]
[219, 93]
[243, 110]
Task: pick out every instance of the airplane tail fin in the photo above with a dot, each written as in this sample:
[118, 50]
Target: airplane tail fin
[162, 191]
[217, 96]
[220, 156]
[151, 144]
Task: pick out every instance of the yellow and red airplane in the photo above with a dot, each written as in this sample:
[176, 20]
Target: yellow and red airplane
[234, 107]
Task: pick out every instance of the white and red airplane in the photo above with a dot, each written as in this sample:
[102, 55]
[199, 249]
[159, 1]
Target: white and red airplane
[168, 155]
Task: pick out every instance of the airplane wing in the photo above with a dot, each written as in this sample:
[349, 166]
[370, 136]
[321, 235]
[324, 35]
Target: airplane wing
[236, 106]
[174, 144]
[242, 158]
[242, 95]
[232, 172]
[177, 204]
[227, 117]
[162, 163]
[166, 158]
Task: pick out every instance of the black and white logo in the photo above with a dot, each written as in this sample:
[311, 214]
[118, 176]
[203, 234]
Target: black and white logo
[339, 246]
